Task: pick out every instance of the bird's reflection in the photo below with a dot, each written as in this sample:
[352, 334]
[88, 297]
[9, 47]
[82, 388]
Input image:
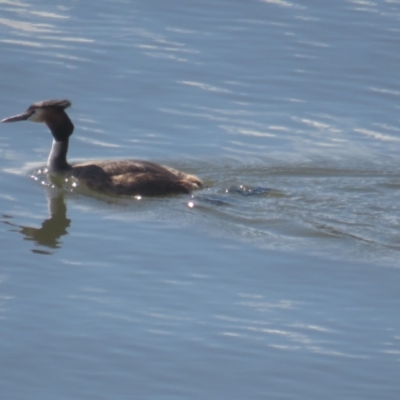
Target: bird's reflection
[52, 229]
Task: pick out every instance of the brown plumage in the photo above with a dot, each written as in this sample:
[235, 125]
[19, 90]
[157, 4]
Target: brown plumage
[131, 177]
[125, 177]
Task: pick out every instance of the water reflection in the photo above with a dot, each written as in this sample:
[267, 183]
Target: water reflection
[52, 228]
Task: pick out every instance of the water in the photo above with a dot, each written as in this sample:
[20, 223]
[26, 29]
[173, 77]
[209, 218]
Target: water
[280, 279]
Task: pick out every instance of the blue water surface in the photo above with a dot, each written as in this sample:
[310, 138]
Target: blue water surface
[280, 279]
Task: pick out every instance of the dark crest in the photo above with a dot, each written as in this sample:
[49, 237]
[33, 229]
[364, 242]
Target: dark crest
[60, 104]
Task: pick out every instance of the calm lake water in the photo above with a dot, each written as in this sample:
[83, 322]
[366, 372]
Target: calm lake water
[279, 280]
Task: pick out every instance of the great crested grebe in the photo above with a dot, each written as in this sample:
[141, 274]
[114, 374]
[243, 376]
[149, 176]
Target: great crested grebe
[125, 177]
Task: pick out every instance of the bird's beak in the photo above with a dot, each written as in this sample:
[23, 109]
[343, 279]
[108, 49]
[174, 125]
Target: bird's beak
[20, 117]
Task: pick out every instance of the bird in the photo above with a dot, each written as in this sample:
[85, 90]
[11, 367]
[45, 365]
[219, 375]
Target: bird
[113, 177]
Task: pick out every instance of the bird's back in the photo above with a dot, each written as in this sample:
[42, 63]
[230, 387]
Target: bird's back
[132, 177]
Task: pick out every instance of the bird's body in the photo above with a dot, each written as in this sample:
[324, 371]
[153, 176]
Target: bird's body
[133, 177]
[119, 177]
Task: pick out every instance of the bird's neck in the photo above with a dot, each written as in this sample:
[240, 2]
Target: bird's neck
[57, 161]
[61, 128]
